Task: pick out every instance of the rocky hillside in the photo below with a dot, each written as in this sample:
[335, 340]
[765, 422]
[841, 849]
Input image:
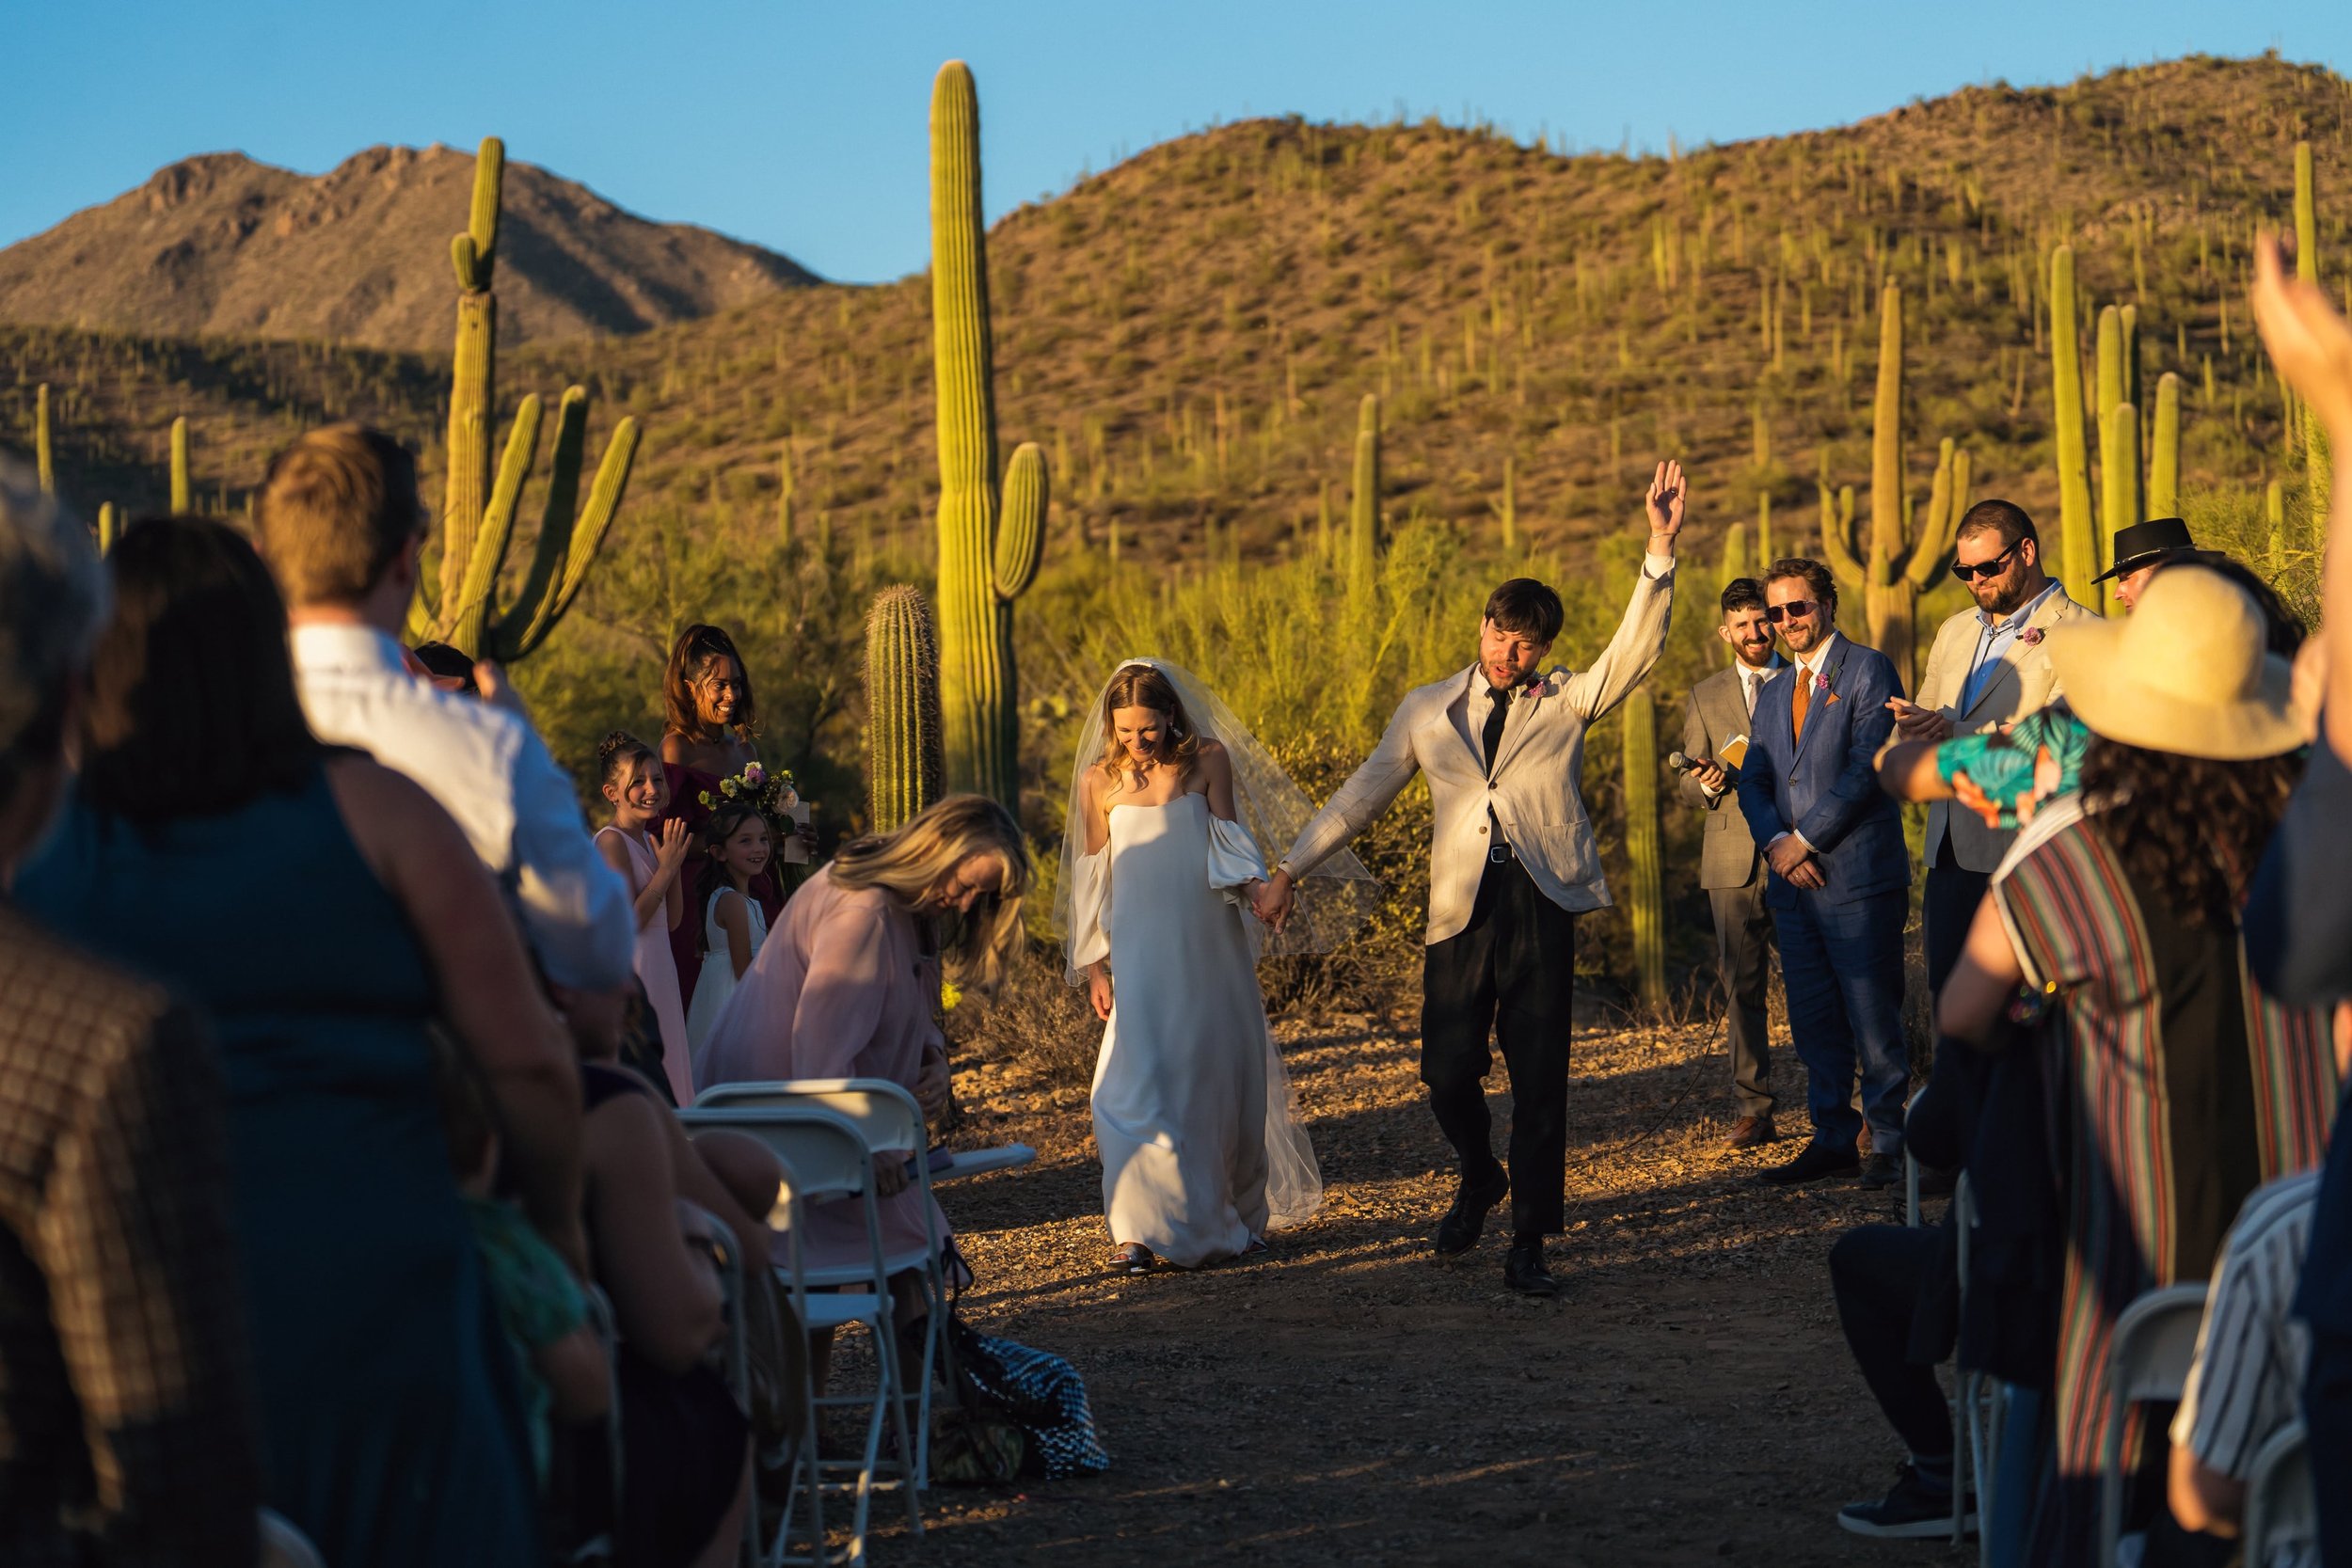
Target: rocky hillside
[220, 246]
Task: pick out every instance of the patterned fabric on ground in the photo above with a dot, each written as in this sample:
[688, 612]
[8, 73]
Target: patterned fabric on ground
[1041, 1392]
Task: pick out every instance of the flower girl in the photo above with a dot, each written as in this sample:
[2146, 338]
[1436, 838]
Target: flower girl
[638, 793]
[739, 843]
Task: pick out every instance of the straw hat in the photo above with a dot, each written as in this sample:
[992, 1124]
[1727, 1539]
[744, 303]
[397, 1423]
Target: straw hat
[2187, 673]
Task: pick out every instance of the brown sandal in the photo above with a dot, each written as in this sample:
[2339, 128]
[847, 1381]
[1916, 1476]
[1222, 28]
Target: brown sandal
[1132, 1258]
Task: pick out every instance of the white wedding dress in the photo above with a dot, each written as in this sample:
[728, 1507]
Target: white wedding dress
[1202, 1152]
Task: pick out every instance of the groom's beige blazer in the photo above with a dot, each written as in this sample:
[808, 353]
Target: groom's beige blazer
[1539, 766]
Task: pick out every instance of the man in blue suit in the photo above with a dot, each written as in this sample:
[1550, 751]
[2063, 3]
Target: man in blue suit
[1839, 874]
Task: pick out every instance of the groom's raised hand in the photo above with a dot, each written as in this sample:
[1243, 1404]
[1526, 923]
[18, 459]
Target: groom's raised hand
[1665, 504]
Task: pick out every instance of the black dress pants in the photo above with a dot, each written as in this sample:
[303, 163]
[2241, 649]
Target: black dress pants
[1510, 973]
[1875, 1276]
[1948, 907]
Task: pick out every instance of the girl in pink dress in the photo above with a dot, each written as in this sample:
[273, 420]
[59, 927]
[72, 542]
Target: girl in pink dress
[650, 852]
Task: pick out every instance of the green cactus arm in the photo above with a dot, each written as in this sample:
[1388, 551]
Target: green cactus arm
[1734, 553]
[1021, 521]
[2078, 534]
[482, 225]
[587, 537]
[1645, 892]
[463, 260]
[44, 464]
[2111, 388]
[470, 614]
[2119, 485]
[182, 488]
[110, 529]
[1762, 549]
[1837, 543]
[1964, 474]
[904, 763]
[2164, 460]
[553, 545]
[2306, 216]
[1931, 550]
[1887, 540]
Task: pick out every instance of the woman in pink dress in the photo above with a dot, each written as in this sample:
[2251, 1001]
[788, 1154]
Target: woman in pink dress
[847, 986]
[649, 849]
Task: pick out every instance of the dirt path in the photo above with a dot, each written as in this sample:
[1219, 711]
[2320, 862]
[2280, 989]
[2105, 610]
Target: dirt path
[1350, 1401]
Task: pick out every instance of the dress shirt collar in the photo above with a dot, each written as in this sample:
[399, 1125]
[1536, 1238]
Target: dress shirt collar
[1810, 665]
[2015, 620]
[320, 645]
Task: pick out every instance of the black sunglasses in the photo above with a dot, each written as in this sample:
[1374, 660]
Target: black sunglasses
[1795, 610]
[1985, 568]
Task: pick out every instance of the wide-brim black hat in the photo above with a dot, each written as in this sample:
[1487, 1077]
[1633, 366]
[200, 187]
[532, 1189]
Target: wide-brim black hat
[2142, 543]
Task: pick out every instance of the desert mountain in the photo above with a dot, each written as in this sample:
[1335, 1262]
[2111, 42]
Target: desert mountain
[221, 245]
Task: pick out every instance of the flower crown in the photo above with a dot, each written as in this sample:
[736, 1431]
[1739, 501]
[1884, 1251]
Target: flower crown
[770, 794]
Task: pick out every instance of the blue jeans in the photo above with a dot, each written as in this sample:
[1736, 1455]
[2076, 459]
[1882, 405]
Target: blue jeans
[1843, 965]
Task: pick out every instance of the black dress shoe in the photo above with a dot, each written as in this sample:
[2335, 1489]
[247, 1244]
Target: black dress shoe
[1814, 1160]
[1881, 1170]
[1467, 1220]
[1524, 1269]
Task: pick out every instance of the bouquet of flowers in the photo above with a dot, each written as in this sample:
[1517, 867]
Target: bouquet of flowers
[771, 794]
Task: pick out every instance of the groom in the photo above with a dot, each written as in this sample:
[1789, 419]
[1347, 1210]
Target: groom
[1512, 862]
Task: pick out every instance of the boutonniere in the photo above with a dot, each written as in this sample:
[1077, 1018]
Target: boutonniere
[1531, 688]
[1820, 684]
[2030, 636]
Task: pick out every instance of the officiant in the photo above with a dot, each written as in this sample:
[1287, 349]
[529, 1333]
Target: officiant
[1714, 739]
[1512, 863]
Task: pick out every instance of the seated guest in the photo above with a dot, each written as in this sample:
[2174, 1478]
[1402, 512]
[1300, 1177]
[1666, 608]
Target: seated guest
[2178, 1097]
[325, 911]
[340, 524]
[126, 1431]
[711, 730]
[2247, 1377]
[848, 986]
[683, 1484]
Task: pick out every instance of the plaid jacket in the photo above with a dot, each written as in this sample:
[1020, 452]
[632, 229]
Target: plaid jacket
[126, 1427]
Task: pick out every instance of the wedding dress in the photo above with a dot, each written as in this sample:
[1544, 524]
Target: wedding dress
[718, 972]
[1198, 1131]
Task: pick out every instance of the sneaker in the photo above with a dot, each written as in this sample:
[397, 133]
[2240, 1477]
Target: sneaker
[1912, 1511]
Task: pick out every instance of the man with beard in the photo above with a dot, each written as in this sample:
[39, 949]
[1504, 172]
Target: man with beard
[1840, 876]
[1986, 669]
[1722, 711]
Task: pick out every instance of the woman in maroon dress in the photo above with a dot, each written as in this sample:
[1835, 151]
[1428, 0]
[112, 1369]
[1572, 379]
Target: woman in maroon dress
[710, 722]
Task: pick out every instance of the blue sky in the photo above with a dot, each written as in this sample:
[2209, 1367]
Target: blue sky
[801, 126]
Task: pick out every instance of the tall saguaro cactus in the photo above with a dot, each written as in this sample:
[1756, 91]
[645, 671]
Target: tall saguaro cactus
[1645, 895]
[478, 506]
[1363, 503]
[2163, 454]
[1905, 552]
[182, 488]
[904, 762]
[989, 543]
[44, 462]
[2318, 462]
[2078, 534]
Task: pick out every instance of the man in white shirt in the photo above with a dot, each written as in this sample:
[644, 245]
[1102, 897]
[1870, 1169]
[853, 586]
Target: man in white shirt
[340, 525]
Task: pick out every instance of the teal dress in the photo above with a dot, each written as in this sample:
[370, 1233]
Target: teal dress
[391, 1425]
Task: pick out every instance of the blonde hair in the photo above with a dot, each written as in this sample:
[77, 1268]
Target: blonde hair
[1141, 686]
[918, 858]
[336, 510]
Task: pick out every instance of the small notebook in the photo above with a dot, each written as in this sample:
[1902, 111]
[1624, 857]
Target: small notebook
[1732, 752]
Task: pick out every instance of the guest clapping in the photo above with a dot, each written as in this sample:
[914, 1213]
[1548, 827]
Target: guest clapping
[650, 849]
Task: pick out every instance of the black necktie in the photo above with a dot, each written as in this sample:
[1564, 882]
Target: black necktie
[1498, 710]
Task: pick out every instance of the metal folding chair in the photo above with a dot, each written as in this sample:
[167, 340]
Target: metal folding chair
[2147, 1361]
[829, 1156]
[1979, 1403]
[891, 1122]
[2279, 1500]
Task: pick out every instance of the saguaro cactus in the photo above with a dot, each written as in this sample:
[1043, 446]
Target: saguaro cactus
[478, 509]
[904, 762]
[2164, 457]
[1506, 508]
[109, 527]
[1363, 504]
[182, 491]
[1645, 892]
[44, 463]
[2318, 462]
[2078, 537]
[986, 560]
[1905, 553]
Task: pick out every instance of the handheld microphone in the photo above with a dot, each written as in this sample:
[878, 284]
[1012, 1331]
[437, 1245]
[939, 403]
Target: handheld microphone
[1680, 763]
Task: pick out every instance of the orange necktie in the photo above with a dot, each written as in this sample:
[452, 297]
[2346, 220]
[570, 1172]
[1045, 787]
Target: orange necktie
[1798, 700]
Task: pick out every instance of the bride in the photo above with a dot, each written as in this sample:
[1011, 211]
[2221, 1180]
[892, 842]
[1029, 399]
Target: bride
[1202, 1147]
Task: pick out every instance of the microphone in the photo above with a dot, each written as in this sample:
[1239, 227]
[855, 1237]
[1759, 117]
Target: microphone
[1680, 763]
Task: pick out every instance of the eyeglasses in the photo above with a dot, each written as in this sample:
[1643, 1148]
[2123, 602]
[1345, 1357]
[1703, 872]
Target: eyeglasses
[1993, 567]
[1795, 610]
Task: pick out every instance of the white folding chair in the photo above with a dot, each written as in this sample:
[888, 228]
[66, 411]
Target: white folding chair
[892, 1123]
[2279, 1501]
[2147, 1361]
[828, 1154]
[283, 1545]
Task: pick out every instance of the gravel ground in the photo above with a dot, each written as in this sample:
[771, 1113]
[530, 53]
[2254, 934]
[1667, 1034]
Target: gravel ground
[1350, 1400]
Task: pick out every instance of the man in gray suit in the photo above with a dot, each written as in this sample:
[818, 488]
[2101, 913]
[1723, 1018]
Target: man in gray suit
[1721, 711]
